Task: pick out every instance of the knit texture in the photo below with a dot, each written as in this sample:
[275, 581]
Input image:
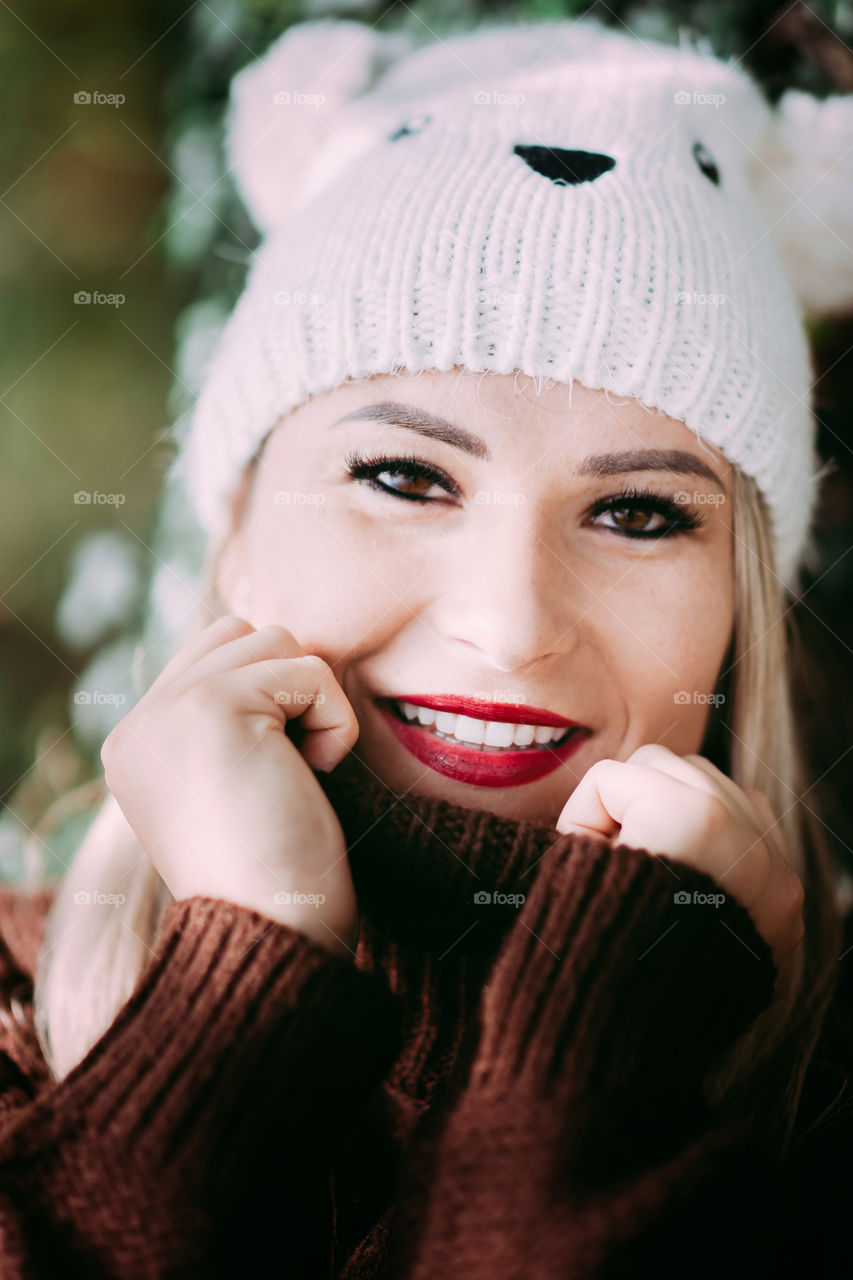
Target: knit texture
[522, 1098]
[558, 198]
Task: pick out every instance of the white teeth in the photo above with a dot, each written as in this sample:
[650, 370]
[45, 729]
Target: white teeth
[469, 730]
[498, 734]
[486, 733]
[445, 723]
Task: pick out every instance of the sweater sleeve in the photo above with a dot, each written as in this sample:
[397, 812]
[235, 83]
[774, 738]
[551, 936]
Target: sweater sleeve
[581, 1144]
[197, 1135]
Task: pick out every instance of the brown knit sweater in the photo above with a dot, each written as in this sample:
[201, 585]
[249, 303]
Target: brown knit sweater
[492, 1089]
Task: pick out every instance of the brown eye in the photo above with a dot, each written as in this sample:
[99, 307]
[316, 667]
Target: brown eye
[641, 513]
[635, 519]
[418, 476]
[413, 486]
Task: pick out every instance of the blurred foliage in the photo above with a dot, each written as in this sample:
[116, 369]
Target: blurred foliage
[130, 199]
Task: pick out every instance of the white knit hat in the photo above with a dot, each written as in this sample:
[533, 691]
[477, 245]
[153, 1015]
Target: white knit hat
[555, 197]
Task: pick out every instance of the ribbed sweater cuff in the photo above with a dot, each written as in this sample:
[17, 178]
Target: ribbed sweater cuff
[242, 1033]
[622, 975]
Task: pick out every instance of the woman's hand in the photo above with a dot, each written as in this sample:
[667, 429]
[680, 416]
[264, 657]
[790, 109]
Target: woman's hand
[222, 800]
[684, 807]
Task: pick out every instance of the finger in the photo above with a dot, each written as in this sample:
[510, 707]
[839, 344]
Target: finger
[584, 813]
[634, 795]
[268, 643]
[602, 799]
[736, 794]
[214, 635]
[696, 771]
[304, 689]
[685, 768]
[758, 813]
[743, 799]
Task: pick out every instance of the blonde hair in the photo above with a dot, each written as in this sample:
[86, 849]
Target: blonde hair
[91, 962]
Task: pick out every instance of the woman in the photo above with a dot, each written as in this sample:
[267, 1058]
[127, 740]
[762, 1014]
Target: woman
[458, 907]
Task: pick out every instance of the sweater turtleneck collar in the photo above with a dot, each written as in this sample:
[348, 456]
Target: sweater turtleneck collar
[439, 886]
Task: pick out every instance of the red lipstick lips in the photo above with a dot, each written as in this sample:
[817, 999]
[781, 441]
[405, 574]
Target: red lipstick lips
[507, 712]
[477, 766]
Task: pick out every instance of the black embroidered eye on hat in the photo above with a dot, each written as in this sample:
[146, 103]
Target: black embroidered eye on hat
[557, 198]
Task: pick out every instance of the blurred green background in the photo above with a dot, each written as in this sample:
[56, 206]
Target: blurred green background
[112, 186]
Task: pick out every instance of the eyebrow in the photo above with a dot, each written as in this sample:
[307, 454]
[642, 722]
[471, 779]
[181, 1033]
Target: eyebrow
[410, 418]
[678, 461]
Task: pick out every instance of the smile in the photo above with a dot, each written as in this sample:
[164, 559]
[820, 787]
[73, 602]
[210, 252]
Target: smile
[482, 752]
[488, 735]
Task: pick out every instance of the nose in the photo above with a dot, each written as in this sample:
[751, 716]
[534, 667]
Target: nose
[512, 602]
[564, 168]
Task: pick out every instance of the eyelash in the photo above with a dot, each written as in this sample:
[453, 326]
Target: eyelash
[681, 519]
[361, 468]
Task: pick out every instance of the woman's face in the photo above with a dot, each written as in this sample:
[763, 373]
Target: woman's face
[520, 579]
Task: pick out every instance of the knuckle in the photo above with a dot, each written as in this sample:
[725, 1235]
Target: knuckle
[277, 632]
[316, 665]
[712, 812]
[231, 621]
[108, 750]
[112, 752]
[112, 743]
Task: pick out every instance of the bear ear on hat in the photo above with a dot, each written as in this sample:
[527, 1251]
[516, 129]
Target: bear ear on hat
[803, 177]
[278, 117]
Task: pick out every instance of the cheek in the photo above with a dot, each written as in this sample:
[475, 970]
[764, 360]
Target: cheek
[666, 648]
[334, 585]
